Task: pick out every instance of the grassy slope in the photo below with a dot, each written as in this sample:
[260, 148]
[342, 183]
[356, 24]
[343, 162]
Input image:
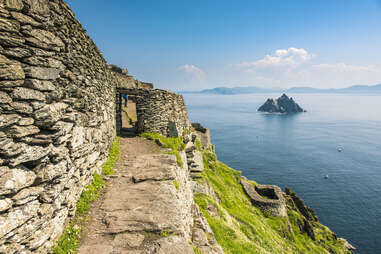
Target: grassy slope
[242, 228]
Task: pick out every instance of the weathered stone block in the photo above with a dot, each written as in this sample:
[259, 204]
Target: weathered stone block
[15, 179]
[22, 131]
[42, 73]
[10, 70]
[23, 93]
[14, 4]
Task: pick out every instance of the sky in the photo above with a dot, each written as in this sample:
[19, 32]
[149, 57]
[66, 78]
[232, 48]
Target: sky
[199, 44]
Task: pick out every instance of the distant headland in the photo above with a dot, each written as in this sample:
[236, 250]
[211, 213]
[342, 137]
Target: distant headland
[357, 89]
[283, 104]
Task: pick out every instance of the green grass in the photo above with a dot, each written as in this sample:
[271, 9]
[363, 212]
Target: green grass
[108, 167]
[197, 250]
[176, 184]
[70, 239]
[198, 144]
[241, 228]
[165, 233]
[175, 144]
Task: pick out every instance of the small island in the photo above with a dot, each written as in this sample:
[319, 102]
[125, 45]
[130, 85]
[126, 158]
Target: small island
[283, 104]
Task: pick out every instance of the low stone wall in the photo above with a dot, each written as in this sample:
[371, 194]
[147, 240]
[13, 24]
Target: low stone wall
[57, 120]
[203, 134]
[274, 204]
[158, 111]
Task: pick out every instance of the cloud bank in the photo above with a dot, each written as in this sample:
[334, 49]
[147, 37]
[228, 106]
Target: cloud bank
[293, 67]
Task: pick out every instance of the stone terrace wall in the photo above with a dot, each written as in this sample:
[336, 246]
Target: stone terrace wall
[274, 204]
[159, 111]
[57, 119]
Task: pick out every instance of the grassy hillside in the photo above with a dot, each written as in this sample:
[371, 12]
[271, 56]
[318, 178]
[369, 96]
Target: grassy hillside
[240, 227]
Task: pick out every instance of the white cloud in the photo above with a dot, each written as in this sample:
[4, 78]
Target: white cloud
[192, 70]
[285, 58]
[292, 67]
[342, 67]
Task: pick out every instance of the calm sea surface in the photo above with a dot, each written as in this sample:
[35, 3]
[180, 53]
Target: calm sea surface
[299, 150]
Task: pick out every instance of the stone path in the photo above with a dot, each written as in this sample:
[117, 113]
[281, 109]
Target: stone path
[141, 210]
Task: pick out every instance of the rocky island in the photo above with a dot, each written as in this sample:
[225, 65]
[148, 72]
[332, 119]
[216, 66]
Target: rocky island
[283, 104]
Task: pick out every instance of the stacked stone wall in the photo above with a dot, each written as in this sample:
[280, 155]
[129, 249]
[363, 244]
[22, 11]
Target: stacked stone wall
[159, 111]
[57, 120]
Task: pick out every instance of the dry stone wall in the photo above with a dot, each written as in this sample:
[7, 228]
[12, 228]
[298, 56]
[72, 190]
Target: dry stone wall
[159, 111]
[57, 120]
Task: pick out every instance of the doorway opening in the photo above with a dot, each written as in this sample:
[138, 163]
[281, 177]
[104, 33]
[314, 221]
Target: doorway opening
[128, 115]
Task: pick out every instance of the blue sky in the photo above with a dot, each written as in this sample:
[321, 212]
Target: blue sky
[190, 45]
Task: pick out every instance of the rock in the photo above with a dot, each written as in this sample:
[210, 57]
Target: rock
[41, 85]
[27, 195]
[307, 212]
[283, 104]
[15, 179]
[5, 204]
[29, 154]
[10, 70]
[42, 73]
[17, 217]
[5, 98]
[22, 131]
[6, 120]
[308, 228]
[131, 239]
[347, 245]
[50, 114]
[17, 52]
[196, 163]
[26, 121]
[100, 248]
[16, 5]
[23, 93]
[22, 107]
[11, 83]
[11, 40]
[9, 25]
[48, 172]
[24, 19]
[45, 39]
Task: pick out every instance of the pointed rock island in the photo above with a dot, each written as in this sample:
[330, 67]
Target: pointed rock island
[283, 104]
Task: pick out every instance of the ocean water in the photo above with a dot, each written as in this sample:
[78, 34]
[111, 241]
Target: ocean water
[299, 150]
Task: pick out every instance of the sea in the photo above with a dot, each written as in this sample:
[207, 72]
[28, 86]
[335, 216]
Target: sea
[339, 137]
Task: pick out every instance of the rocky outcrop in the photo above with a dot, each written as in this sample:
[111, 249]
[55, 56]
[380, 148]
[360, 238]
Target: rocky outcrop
[283, 104]
[268, 198]
[57, 120]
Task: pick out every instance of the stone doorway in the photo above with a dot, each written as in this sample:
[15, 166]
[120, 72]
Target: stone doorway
[126, 116]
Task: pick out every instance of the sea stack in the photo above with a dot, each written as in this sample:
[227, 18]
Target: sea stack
[283, 104]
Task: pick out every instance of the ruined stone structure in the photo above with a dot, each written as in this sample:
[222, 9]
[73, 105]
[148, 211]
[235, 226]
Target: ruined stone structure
[158, 111]
[268, 198]
[57, 120]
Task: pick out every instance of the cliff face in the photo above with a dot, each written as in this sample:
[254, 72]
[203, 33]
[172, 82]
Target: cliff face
[283, 104]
